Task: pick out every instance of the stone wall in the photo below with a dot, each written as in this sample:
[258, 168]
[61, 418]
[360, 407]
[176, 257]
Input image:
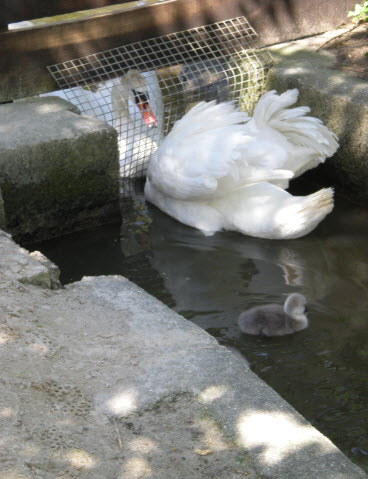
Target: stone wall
[58, 169]
[340, 101]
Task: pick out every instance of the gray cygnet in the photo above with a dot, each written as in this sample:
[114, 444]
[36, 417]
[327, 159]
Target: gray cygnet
[275, 319]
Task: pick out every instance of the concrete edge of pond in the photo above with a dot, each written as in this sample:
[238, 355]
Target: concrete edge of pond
[339, 100]
[59, 170]
[83, 365]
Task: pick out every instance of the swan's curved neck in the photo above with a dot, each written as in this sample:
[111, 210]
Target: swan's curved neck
[132, 97]
[294, 307]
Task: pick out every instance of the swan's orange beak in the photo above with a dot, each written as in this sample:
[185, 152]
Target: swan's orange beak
[147, 114]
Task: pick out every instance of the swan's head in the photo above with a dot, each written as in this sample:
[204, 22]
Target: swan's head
[295, 306]
[142, 101]
[136, 90]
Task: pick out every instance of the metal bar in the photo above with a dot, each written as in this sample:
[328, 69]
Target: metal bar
[13, 11]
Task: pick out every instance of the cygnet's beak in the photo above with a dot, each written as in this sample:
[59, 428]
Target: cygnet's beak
[147, 114]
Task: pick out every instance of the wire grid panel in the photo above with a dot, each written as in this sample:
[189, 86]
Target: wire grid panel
[144, 87]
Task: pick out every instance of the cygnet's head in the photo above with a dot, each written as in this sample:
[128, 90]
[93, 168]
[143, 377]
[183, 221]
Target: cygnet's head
[295, 305]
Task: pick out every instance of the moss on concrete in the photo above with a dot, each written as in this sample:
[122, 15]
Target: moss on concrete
[56, 168]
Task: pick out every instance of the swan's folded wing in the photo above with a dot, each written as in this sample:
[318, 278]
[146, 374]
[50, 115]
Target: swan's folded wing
[201, 160]
[192, 171]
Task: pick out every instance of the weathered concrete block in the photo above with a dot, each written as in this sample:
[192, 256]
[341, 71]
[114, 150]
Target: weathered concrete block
[52, 268]
[340, 101]
[16, 264]
[57, 168]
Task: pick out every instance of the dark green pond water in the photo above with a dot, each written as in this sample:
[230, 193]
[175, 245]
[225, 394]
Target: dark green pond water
[321, 371]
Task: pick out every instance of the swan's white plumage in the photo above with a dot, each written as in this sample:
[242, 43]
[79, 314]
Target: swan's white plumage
[306, 139]
[136, 140]
[208, 153]
[219, 169]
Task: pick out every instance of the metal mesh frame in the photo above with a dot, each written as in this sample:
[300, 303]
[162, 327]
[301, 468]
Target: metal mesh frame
[212, 62]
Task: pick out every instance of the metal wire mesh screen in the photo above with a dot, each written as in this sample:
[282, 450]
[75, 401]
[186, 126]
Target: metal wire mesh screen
[144, 87]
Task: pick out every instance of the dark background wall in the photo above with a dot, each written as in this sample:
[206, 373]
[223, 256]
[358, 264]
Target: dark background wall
[25, 54]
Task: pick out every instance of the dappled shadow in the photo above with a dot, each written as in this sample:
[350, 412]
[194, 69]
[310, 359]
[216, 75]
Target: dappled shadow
[350, 50]
[178, 438]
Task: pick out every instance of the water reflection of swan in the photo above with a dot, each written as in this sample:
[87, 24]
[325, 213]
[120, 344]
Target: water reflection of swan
[275, 319]
[214, 172]
[219, 272]
[212, 279]
[137, 110]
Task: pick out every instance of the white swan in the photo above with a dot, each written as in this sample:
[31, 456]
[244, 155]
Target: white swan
[219, 169]
[137, 111]
[275, 319]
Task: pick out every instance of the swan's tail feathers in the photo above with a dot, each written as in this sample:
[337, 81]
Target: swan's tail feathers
[205, 116]
[300, 130]
[264, 210]
[311, 211]
[270, 104]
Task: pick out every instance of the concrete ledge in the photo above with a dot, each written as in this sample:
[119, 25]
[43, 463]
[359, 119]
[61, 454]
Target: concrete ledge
[340, 101]
[16, 264]
[102, 380]
[57, 168]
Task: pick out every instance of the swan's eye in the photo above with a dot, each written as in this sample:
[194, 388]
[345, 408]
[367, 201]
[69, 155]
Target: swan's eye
[140, 97]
